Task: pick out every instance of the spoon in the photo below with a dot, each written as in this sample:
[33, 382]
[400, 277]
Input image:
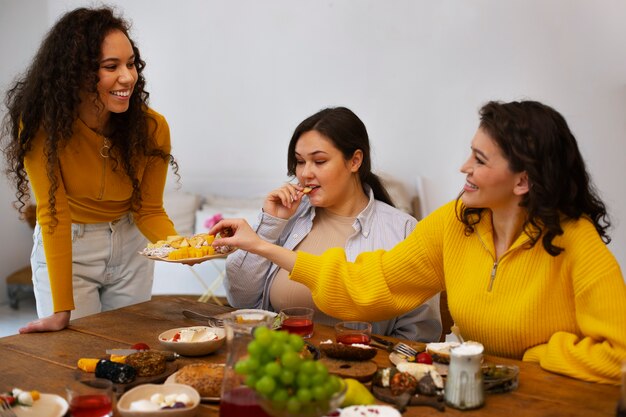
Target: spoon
[457, 332]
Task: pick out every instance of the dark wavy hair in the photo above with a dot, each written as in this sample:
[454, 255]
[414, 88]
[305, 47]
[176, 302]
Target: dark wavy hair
[348, 133]
[535, 138]
[46, 97]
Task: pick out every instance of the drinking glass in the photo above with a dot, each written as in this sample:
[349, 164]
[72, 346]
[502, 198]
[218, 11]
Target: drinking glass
[237, 399]
[90, 398]
[353, 332]
[298, 320]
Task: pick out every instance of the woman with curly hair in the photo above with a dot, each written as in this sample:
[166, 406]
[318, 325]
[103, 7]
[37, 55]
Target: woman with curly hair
[521, 252]
[80, 132]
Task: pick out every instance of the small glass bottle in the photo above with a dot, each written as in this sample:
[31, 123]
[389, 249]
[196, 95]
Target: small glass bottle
[237, 399]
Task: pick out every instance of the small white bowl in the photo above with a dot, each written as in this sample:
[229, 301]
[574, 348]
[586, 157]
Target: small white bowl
[145, 391]
[193, 348]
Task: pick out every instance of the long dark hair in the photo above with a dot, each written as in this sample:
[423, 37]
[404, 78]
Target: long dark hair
[47, 97]
[536, 139]
[348, 133]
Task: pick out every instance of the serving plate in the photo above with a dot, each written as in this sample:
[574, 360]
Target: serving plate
[188, 260]
[396, 358]
[48, 405]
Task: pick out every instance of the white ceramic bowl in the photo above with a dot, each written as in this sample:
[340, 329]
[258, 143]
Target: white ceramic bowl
[193, 348]
[146, 391]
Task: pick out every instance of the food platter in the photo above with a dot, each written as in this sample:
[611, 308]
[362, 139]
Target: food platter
[397, 358]
[188, 260]
[48, 405]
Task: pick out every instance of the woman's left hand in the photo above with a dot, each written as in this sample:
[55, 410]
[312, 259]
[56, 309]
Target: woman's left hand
[53, 323]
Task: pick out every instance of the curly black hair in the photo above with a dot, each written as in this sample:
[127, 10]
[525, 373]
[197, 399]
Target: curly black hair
[535, 138]
[47, 97]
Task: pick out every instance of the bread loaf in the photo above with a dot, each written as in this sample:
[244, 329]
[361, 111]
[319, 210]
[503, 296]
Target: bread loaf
[206, 378]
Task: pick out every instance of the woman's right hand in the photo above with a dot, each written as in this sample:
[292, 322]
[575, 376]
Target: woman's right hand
[53, 323]
[284, 201]
[239, 236]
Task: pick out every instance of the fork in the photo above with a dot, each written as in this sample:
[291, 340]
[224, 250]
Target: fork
[405, 349]
[5, 409]
[212, 321]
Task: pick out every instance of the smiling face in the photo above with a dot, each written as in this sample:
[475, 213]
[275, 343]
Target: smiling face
[490, 183]
[321, 166]
[117, 77]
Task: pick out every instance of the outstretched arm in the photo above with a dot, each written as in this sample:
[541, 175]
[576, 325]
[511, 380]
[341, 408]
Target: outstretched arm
[244, 238]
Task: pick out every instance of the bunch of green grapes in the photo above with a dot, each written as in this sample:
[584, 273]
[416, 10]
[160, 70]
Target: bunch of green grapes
[275, 369]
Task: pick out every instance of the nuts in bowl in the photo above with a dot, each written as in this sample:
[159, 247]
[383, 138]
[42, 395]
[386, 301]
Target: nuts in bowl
[193, 341]
[151, 400]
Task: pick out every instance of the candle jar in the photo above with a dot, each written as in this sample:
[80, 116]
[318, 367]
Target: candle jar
[237, 399]
[464, 383]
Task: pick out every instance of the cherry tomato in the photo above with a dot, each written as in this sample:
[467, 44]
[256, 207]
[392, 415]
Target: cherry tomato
[140, 346]
[8, 399]
[424, 357]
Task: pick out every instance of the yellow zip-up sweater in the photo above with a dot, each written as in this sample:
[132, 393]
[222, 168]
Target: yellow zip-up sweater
[566, 312]
[90, 191]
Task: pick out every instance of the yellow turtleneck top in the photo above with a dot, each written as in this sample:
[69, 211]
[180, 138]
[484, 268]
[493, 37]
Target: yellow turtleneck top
[92, 191]
[567, 312]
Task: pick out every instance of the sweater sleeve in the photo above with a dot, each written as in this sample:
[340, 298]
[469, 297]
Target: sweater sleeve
[56, 236]
[151, 218]
[596, 352]
[378, 285]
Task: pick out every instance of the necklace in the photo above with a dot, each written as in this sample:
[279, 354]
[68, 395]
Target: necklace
[106, 145]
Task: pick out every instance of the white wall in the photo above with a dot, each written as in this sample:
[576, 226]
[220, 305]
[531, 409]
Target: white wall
[235, 77]
[21, 29]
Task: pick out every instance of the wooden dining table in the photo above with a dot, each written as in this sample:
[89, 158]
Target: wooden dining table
[47, 362]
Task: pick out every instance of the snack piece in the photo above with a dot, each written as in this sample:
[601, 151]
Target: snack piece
[307, 190]
[206, 378]
[383, 376]
[147, 363]
[118, 373]
[88, 364]
[354, 352]
[403, 382]
[440, 352]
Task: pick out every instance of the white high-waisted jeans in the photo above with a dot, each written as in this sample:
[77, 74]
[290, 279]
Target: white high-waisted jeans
[107, 271]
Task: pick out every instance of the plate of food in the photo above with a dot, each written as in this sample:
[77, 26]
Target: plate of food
[186, 250]
[206, 378]
[47, 405]
[397, 358]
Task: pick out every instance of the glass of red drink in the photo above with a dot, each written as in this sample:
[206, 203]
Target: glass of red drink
[297, 320]
[353, 332]
[90, 398]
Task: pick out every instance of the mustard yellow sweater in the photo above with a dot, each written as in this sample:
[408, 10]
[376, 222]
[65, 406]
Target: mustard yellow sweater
[566, 312]
[90, 191]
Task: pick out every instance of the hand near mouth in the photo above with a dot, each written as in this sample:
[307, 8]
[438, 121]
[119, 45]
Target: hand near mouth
[284, 201]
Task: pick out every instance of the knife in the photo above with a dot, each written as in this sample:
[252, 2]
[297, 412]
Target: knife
[381, 343]
[170, 356]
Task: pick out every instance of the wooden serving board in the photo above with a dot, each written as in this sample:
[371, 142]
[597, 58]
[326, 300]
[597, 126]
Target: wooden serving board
[170, 368]
[360, 370]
